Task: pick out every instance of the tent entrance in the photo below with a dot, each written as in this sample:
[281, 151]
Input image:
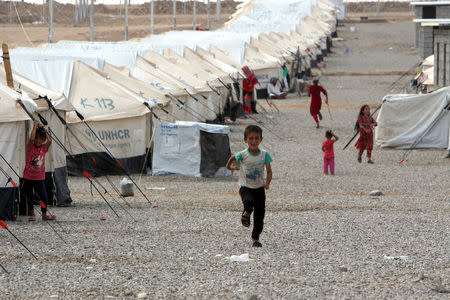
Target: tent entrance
[215, 152]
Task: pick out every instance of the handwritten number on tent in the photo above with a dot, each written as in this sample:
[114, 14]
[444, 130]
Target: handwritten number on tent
[105, 103]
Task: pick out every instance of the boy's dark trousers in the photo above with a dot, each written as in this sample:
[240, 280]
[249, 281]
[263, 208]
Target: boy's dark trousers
[39, 188]
[254, 200]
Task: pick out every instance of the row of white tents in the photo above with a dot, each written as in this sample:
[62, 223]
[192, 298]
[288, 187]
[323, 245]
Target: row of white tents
[116, 100]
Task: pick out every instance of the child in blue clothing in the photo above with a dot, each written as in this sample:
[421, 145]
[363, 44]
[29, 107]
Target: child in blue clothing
[252, 162]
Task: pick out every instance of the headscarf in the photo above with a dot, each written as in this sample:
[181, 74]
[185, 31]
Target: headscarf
[247, 71]
[273, 80]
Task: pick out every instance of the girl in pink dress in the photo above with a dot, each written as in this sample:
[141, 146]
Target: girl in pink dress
[328, 152]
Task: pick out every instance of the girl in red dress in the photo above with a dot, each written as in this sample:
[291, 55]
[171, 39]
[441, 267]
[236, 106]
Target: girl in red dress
[316, 101]
[248, 86]
[34, 172]
[365, 125]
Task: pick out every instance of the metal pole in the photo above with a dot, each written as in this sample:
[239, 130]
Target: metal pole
[50, 21]
[174, 15]
[378, 8]
[91, 22]
[75, 13]
[43, 11]
[126, 19]
[120, 9]
[85, 10]
[209, 15]
[152, 17]
[218, 10]
[10, 14]
[81, 11]
[194, 22]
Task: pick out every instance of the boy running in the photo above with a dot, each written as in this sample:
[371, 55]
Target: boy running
[251, 179]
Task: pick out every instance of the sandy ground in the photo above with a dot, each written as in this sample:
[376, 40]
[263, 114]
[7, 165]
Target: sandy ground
[324, 236]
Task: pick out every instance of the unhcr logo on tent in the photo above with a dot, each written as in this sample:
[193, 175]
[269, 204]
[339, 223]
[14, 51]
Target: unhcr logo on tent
[105, 135]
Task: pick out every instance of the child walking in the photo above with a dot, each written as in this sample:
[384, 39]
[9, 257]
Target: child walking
[248, 87]
[251, 179]
[365, 125]
[328, 152]
[34, 172]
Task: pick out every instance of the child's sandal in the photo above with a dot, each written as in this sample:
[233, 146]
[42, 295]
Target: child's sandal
[31, 218]
[245, 220]
[49, 218]
[257, 244]
[370, 161]
[359, 159]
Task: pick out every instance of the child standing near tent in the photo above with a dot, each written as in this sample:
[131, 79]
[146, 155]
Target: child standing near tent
[251, 179]
[365, 125]
[328, 152]
[34, 172]
[248, 86]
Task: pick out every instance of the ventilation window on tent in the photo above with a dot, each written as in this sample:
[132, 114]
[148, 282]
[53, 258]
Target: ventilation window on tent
[429, 12]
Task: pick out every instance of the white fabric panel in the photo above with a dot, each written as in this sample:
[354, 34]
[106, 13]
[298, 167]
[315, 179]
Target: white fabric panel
[177, 147]
[53, 72]
[176, 150]
[404, 119]
[10, 110]
[98, 98]
[139, 87]
[209, 57]
[12, 148]
[124, 137]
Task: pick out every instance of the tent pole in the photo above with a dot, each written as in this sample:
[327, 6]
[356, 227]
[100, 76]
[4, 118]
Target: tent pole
[7, 64]
[91, 23]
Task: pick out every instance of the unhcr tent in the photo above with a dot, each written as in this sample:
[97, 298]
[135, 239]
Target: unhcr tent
[419, 121]
[192, 83]
[13, 139]
[191, 149]
[151, 94]
[175, 90]
[120, 121]
[55, 162]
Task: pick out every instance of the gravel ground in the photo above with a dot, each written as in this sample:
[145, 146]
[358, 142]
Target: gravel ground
[324, 236]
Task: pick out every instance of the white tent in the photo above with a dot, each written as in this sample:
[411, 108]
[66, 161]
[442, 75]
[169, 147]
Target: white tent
[419, 121]
[193, 84]
[55, 162]
[151, 94]
[51, 71]
[175, 90]
[118, 118]
[191, 149]
[13, 139]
